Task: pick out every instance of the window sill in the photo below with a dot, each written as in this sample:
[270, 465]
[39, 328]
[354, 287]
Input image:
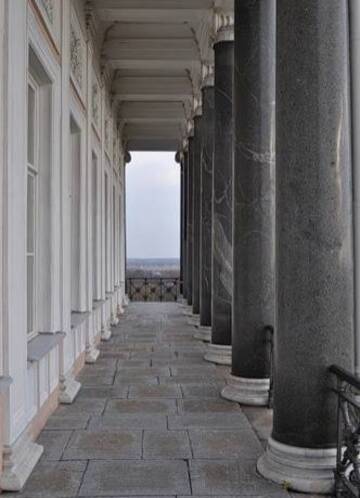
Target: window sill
[97, 303]
[42, 344]
[78, 317]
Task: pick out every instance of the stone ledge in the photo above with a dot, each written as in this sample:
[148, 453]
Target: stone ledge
[42, 344]
[78, 317]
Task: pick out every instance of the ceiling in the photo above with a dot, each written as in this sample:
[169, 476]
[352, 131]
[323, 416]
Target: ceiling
[155, 50]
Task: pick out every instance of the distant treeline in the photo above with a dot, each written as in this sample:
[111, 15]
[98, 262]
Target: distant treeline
[140, 268]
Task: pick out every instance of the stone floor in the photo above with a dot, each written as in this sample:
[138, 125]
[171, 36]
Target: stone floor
[149, 421]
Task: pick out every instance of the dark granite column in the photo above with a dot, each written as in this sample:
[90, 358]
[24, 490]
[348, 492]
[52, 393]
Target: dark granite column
[254, 200]
[314, 258]
[184, 222]
[189, 222]
[207, 161]
[179, 158]
[196, 212]
[220, 348]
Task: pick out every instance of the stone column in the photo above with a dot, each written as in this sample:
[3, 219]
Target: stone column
[314, 258]
[184, 221]
[189, 248]
[196, 211]
[254, 200]
[207, 161]
[220, 348]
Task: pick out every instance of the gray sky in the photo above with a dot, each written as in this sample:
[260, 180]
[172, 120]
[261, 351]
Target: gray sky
[153, 205]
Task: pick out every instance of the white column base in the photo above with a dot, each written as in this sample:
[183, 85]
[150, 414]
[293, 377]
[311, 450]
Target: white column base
[221, 355]
[120, 311]
[203, 334]
[253, 392]
[114, 320]
[69, 388]
[19, 461]
[305, 470]
[126, 301]
[194, 320]
[105, 333]
[92, 354]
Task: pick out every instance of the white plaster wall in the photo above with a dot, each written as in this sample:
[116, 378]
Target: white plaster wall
[34, 382]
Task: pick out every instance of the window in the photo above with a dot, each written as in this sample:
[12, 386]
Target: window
[31, 202]
[94, 225]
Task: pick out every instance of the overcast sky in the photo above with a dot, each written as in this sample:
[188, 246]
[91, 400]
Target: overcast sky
[153, 205]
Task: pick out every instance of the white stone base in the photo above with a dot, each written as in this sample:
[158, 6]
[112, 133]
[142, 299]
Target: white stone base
[19, 461]
[221, 355]
[126, 301]
[120, 311]
[194, 320]
[114, 320]
[203, 334]
[105, 334]
[301, 469]
[69, 388]
[253, 392]
[92, 354]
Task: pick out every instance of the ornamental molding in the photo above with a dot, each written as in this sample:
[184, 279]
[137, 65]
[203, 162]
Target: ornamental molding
[223, 27]
[95, 103]
[76, 55]
[49, 8]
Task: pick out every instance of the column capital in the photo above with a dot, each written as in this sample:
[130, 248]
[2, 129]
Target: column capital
[207, 75]
[223, 26]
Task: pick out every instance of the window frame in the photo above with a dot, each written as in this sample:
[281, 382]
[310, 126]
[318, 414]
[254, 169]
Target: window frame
[32, 170]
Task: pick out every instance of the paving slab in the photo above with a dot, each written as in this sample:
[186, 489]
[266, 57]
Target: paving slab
[104, 445]
[166, 445]
[142, 421]
[198, 391]
[210, 420]
[163, 391]
[229, 477]
[54, 443]
[55, 480]
[141, 406]
[67, 422]
[104, 392]
[135, 478]
[207, 406]
[82, 406]
[216, 444]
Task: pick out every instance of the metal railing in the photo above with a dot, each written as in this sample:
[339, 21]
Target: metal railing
[347, 472]
[269, 338]
[153, 289]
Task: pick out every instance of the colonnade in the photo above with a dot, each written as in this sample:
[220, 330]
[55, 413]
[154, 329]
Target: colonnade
[271, 190]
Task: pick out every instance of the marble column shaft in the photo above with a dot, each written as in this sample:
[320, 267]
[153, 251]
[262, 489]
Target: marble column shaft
[184, 222]
[315, 302]
[196, 213]
[222, 195]
[254, 186]
[189, 223]
[207, 162]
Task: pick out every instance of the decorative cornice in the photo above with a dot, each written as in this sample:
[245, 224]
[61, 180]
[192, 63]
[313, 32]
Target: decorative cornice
[207, 75]
[223, 27]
